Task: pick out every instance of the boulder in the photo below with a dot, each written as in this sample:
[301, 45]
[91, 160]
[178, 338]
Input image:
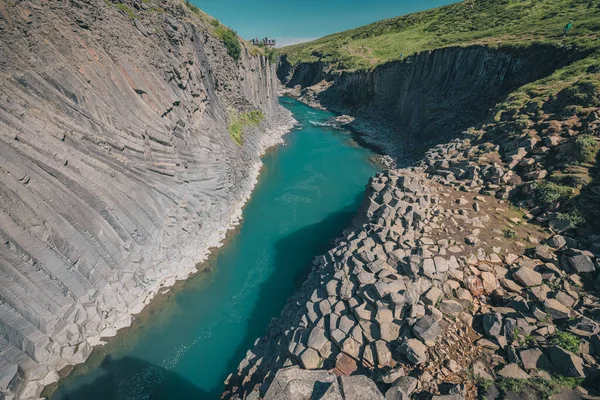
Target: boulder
[310, 359]
[534, 359]
[566, 363]
[294, 383]
[513, 371]
[451, 307]
[402, 389]
[557, 241]
[359, 387]
[432, 296]
[492, 324]
[317, 338]
[556, 309]
[582, 263]
[427, 329]
[527, 277]
[414, 350]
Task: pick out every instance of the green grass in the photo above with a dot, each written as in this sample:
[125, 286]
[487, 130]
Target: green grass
[566, 340]
[509, 234]
[585, 149]
[240, 121]
[549, 193]
[544, 389]
[229, 38]
[128, 11]
[490, 22]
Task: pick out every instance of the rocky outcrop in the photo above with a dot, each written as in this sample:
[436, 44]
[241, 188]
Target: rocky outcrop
[409, 105]
[117, 170]
[426, 294]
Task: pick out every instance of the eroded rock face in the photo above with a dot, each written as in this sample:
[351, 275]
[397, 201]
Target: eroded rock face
[458, 85]
[117, 170]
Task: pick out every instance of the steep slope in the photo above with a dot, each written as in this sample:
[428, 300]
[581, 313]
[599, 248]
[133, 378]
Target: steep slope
[465, 23]
[130, 137]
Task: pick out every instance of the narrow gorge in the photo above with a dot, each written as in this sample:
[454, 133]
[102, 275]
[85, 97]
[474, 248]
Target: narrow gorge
[428, 227]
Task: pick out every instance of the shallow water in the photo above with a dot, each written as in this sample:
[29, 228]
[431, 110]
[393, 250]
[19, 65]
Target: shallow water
[307, 193]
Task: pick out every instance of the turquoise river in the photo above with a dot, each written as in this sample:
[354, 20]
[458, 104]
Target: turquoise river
[185, 346]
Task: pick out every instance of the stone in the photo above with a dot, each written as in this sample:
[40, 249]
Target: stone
[555, 309]
[513, 371]
[490, 283]
[414, 350]
[427, 329]
[359, 387]
[352, 347]
[294, 383]
[428, 267]
[557, 242]
[432, 296]
[393, 375]
[527, 277]
[311, 359]
[534, 359]
[492, 324]
[384, 355]
[441, 265]
[317, 338]
[403, 389]
[582, 263]
[479, 369]
[566, 363]
[345, 364]
[452, 365]
[451, 307]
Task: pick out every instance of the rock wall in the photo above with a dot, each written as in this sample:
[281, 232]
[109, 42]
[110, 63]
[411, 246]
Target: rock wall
[117, 170]
[410, 105]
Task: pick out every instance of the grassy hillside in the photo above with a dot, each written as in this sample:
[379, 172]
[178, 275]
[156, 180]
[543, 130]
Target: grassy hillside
[464, 23]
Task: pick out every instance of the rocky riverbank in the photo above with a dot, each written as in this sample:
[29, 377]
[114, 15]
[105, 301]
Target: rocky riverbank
[126, 153]
[441, 288]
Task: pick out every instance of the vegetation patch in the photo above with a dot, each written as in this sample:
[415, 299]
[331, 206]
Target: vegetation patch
[566, 340]
[509, 234]
[584, 149]
[240, 121]
[540, 388]
[549, 193]
[128, 11]
[229, 38]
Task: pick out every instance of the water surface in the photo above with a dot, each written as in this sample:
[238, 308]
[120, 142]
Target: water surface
[307, 193]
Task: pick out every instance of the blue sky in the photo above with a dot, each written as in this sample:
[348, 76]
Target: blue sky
[292, 21]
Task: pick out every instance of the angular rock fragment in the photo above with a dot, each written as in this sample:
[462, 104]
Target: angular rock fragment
[414, 350]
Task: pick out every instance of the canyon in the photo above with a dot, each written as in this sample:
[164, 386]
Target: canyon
[131, 136]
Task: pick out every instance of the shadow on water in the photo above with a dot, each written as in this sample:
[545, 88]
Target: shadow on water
[130, 378]
[140, 375]
[293, 263]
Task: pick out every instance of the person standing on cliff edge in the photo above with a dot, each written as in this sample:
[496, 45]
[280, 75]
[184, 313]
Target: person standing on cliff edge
[568, 27]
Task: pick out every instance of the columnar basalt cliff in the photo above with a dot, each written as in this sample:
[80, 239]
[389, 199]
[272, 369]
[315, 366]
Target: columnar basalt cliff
[118, 172]
[411, 104]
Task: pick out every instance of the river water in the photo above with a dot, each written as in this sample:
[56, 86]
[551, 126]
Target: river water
[185, 347]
